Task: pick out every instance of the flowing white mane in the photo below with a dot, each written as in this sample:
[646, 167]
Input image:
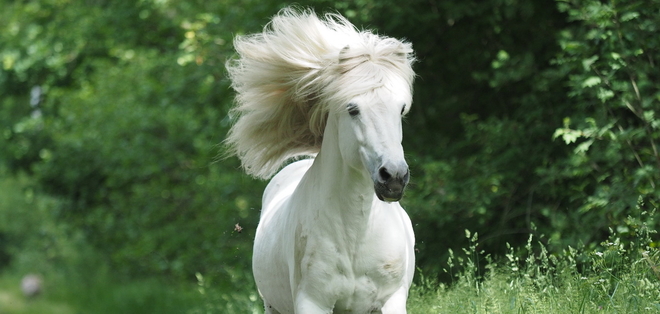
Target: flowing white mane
[290, 76]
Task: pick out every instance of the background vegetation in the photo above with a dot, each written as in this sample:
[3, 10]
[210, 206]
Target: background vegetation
[531, 118]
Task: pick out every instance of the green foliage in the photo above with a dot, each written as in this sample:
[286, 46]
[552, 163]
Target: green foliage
[502, 171]
[75, 277]
[614, 87]
[484, 121]
[78, 278]
[143, 173]
[126, 132]
[530, 117]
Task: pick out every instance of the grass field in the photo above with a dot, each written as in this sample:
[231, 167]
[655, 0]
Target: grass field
[615, 277]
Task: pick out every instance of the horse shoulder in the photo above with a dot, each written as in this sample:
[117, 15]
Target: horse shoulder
[389, 248]
[277, 223]
[284, 183]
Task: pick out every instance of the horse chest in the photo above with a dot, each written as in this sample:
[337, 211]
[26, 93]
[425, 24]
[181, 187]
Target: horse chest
[367, 287]
[357, 280]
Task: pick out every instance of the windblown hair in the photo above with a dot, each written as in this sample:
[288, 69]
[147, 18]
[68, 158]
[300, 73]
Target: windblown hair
[290, 76]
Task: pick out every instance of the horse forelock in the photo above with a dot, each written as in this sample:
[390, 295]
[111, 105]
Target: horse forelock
[292, 75]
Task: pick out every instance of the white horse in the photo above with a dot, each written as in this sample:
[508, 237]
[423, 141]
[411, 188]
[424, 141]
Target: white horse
[332, 237]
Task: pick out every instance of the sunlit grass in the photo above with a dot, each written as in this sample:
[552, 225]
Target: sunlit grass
[616, 277]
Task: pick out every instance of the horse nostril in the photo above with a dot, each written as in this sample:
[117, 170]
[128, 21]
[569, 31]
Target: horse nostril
[384, 174]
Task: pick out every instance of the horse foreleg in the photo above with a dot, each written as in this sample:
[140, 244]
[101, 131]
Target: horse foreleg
[305, 305]
[396, 304]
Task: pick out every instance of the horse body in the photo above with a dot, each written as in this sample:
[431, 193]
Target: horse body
[328, 243]
[332, 237]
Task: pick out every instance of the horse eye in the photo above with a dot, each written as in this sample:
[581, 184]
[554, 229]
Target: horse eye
[353, 110]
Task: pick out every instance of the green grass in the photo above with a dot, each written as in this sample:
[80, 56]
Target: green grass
[102, 296]
[614, 278]
[617, 276]
[12, 300]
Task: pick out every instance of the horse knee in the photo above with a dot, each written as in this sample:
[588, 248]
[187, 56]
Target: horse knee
[396, 304]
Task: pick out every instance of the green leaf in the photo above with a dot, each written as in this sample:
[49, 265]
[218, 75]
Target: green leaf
[591, 81]
[649, 115]
[586, 63]
[629, 16]
[605, 94]
[583, 147]
[569, 136]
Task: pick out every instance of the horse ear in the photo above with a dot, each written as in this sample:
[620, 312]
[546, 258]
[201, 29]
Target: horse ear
[403, 51]
[342, 54]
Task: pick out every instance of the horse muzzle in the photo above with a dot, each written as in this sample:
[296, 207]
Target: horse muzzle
[391, 181]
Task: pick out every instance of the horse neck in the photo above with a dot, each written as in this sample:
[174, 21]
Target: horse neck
[341, 192]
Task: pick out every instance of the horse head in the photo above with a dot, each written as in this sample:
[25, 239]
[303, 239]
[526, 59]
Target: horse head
[370, 120]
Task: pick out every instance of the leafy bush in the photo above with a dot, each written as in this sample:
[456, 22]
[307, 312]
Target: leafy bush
[137, 170]
[505, 174]
[126, 134]
[614, 87]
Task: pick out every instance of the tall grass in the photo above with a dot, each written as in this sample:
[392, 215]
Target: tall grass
[615, 277]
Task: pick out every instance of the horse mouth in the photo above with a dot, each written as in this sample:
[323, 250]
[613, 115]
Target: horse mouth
[392, 192]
